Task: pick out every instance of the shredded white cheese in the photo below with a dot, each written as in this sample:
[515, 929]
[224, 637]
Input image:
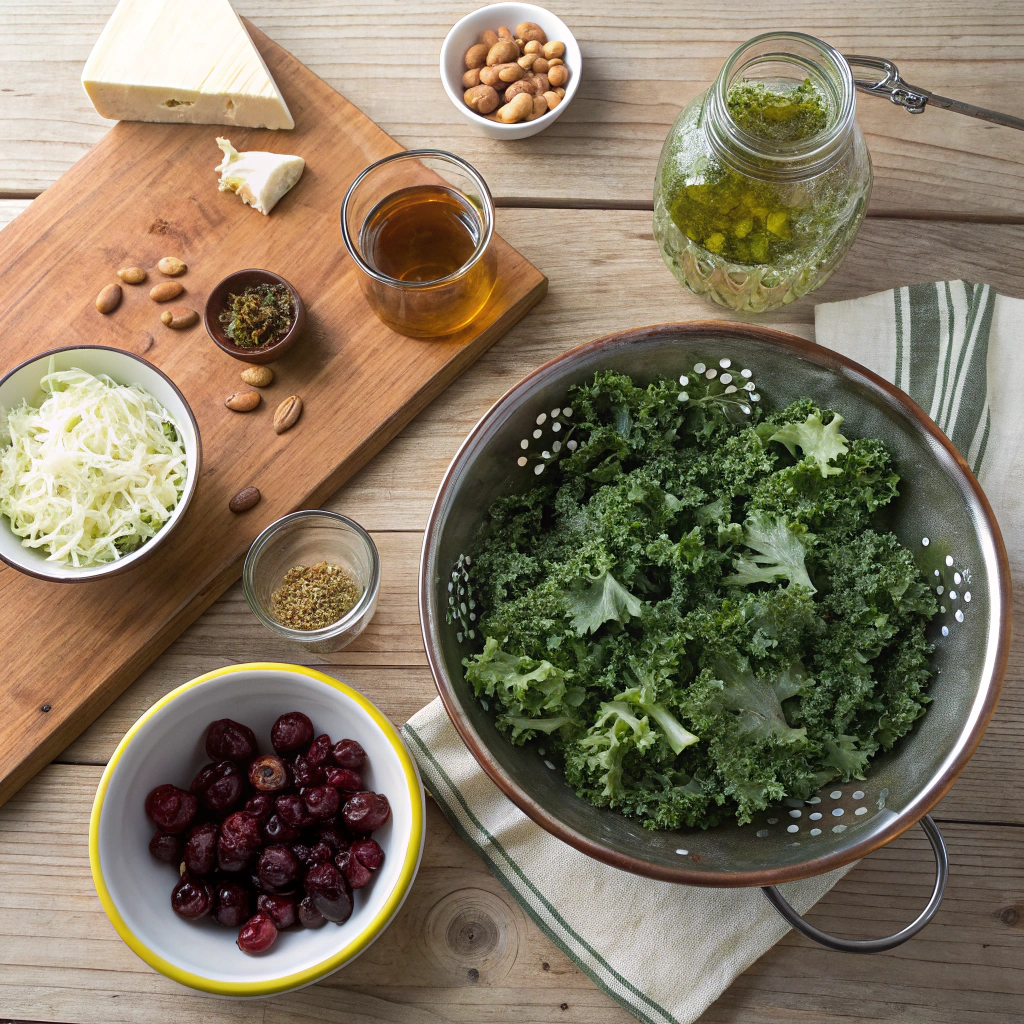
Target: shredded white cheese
[93, 472]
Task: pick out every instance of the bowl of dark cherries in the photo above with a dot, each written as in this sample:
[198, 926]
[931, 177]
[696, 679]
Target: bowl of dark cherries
[295, 840]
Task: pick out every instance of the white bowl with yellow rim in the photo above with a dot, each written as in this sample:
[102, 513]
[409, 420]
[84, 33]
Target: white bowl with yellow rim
[167, 745]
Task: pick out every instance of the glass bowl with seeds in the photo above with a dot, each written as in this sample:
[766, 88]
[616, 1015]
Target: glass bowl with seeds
[312, 578]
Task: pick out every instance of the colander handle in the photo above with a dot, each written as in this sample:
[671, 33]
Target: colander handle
[778, 901]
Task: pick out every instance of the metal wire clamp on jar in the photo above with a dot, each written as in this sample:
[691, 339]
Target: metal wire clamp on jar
[754, 221]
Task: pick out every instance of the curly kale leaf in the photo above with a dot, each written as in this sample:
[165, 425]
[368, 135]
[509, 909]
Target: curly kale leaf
[617, 731]
[819, 443]
[526, 690]
[592, 606]
[780, 554]
[758, 702]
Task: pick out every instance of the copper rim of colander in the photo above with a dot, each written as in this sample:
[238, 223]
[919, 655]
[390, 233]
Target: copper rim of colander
[925, 801]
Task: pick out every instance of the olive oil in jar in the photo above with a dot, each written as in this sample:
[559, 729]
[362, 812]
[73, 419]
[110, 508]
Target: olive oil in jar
[421, 237]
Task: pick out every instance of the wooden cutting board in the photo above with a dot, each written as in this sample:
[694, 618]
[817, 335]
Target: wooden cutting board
[148, 191]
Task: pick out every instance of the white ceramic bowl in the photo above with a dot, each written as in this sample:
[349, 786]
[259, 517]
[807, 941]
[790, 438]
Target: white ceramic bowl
[466, 32]
[167, 745]
[125, 368]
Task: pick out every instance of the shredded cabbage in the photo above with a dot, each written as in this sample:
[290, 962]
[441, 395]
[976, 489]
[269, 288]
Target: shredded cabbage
[93, 472]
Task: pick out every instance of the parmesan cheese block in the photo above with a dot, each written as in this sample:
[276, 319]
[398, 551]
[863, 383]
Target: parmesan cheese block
[187, 61]
[258, 179]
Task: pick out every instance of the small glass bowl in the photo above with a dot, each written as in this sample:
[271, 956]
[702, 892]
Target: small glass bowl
[305, 538]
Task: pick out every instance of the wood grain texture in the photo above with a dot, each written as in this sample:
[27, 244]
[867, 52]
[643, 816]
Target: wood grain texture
[639, 71]
[59, 958]
[461, 949]
[147, 191]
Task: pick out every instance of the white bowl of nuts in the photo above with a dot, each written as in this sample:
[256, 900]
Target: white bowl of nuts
[510, 69]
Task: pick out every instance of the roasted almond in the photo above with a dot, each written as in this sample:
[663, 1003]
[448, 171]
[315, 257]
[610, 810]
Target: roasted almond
[245, 499]
[288, 413]
[132, 275]
[172, 266]
[258, 376]
[109, 299]
[165, 291]
[179, 317]
[243, 401]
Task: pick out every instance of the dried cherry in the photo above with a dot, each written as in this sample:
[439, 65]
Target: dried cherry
[291, 733]
[322, 801]
[291, 809]
[260, 806]
[356, 873]
[200, 854]
[366, 812]
[268, 773]
[258, 934]
[231, 904]
[171, 809]
[165, 847]
[349, 754]
[278, 867]
[320, 854]
[219, 785]
[306, 773]
[282, 910]
[320, 751]
[344, 779]
[309, 916]
[239, 840]
[330, 891]
[230, 741]
[276, 830]
[191, 898]
[368, 852]
[333, 837]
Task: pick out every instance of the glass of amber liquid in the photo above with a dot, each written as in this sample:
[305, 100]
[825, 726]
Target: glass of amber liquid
[419, 226]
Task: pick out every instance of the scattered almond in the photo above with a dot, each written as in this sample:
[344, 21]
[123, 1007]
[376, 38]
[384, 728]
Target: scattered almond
[179, 317]
[288, 413]
[165, 291]
[132, 275]
[243, 401]
[172, 266]
[109, 299]
[258, 376]
[245, 499]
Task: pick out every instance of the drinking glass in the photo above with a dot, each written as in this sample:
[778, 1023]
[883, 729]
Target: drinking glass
[431, 308]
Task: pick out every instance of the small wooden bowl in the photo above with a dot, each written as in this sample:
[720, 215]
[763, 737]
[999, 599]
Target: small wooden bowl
[217, 303]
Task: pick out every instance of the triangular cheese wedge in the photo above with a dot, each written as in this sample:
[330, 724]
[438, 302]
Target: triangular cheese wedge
[189, 61]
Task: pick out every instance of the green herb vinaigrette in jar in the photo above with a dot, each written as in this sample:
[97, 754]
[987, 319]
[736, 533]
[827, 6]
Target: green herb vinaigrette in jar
[764, 179]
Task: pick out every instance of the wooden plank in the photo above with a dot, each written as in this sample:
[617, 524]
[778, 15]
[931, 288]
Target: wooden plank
[639, 73]
[10, 208]
[462, 950]
[359, 381]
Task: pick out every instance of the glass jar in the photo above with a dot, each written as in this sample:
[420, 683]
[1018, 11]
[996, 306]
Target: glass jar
[305, 538]
[764, 179]
[413, 206]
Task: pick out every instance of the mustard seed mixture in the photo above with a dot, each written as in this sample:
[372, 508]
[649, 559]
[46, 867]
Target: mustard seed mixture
[314, 596]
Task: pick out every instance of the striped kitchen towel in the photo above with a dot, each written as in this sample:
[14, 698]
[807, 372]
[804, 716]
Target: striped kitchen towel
[666, 952]
[958, 350]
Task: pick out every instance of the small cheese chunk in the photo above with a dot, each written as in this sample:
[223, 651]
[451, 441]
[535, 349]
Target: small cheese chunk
[187, 61]
[259, 179]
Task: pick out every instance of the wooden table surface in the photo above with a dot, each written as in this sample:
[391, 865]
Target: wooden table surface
[948, 202]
